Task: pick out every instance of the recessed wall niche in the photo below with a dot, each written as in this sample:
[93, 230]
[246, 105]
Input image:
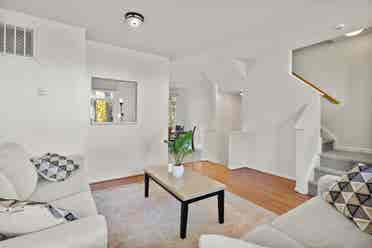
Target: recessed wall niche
[113, 102]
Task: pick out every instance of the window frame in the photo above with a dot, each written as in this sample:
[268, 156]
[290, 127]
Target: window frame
[115, 121]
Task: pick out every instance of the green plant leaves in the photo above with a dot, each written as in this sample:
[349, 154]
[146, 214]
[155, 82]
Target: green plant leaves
[181, 147]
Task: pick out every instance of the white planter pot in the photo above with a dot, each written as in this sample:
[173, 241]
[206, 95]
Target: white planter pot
[178, 171]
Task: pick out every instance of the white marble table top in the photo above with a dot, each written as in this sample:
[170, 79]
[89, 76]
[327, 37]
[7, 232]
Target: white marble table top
[191, 185]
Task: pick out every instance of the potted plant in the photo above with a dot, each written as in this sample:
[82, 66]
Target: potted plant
[179, 149]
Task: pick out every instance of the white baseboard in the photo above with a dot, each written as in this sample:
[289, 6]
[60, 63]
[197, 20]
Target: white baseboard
[236, 166]
[301, 190]
[281, 175]
[353, 149]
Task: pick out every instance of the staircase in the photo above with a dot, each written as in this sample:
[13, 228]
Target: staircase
[335, 162]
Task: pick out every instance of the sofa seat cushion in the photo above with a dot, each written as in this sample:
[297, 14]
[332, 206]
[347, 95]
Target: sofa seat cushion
[81, 203]
[217, 241]
[317, 224]
[23, 217]
[88, 232]
[49, 191]
[268, 236]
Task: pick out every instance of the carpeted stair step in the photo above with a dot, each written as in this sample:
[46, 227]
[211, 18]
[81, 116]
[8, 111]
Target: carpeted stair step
[343, 160]
[328, 145]
[318, 173]
[322, 171]
[336, 163]
[328, 141]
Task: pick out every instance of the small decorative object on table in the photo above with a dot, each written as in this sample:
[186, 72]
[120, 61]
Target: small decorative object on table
[179, 149]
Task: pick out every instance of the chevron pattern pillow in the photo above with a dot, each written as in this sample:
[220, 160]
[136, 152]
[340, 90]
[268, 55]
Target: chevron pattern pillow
[54, 167]
[351, 196]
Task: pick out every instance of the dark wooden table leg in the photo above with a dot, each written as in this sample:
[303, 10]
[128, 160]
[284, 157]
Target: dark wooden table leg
[147, 181]
[221, 207]
[184, 215]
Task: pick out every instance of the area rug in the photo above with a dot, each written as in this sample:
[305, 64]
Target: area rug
[136, 222]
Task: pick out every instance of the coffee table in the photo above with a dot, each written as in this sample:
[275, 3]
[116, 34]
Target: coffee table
[191, 187]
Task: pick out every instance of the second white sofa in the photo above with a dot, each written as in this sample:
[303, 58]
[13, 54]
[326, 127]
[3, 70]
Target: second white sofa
[74, 194]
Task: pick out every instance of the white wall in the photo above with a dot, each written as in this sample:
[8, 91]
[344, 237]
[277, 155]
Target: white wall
[59, 122]
[271, 107]
[196, 107]
[344, 70]
[56, 122]
[228, 120]
[229, 112]
[215, 114]
[118, 151]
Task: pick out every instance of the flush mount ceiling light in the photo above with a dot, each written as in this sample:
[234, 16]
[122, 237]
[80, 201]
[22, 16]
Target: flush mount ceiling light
[134, 19]
[354, 33]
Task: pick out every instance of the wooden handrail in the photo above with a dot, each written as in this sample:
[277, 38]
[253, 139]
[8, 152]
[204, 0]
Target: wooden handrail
[322, 92]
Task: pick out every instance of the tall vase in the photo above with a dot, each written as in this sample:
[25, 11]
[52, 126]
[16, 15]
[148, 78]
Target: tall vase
[178, 170]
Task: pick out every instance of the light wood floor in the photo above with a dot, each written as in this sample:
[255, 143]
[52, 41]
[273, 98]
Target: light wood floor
[271, 192]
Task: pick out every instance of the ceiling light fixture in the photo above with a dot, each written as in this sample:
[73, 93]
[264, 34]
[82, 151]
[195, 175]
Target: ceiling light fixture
[134, 19]
[354, 33]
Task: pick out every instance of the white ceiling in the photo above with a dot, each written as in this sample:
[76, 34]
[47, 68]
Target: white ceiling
[177, 29]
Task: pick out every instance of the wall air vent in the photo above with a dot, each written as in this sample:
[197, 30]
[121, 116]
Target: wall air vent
[16, 40]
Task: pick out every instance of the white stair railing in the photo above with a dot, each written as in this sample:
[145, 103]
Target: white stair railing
[308, 145]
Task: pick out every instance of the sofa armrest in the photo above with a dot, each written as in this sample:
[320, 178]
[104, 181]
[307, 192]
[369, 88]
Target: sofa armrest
[89, 232]
[325, 182]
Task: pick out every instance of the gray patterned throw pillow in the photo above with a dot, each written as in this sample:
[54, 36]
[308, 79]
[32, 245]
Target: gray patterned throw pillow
[54, 167]
[351, 195]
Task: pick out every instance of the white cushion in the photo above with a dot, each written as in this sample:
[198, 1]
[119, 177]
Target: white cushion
[16, 167]
[317, 224]
[268, 236]
[19, 220]
[216, 241]
[88, 232]
[82, 204]
[7, 190]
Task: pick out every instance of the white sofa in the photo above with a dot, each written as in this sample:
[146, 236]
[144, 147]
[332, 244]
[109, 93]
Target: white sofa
[90, 231]
[314, 224]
